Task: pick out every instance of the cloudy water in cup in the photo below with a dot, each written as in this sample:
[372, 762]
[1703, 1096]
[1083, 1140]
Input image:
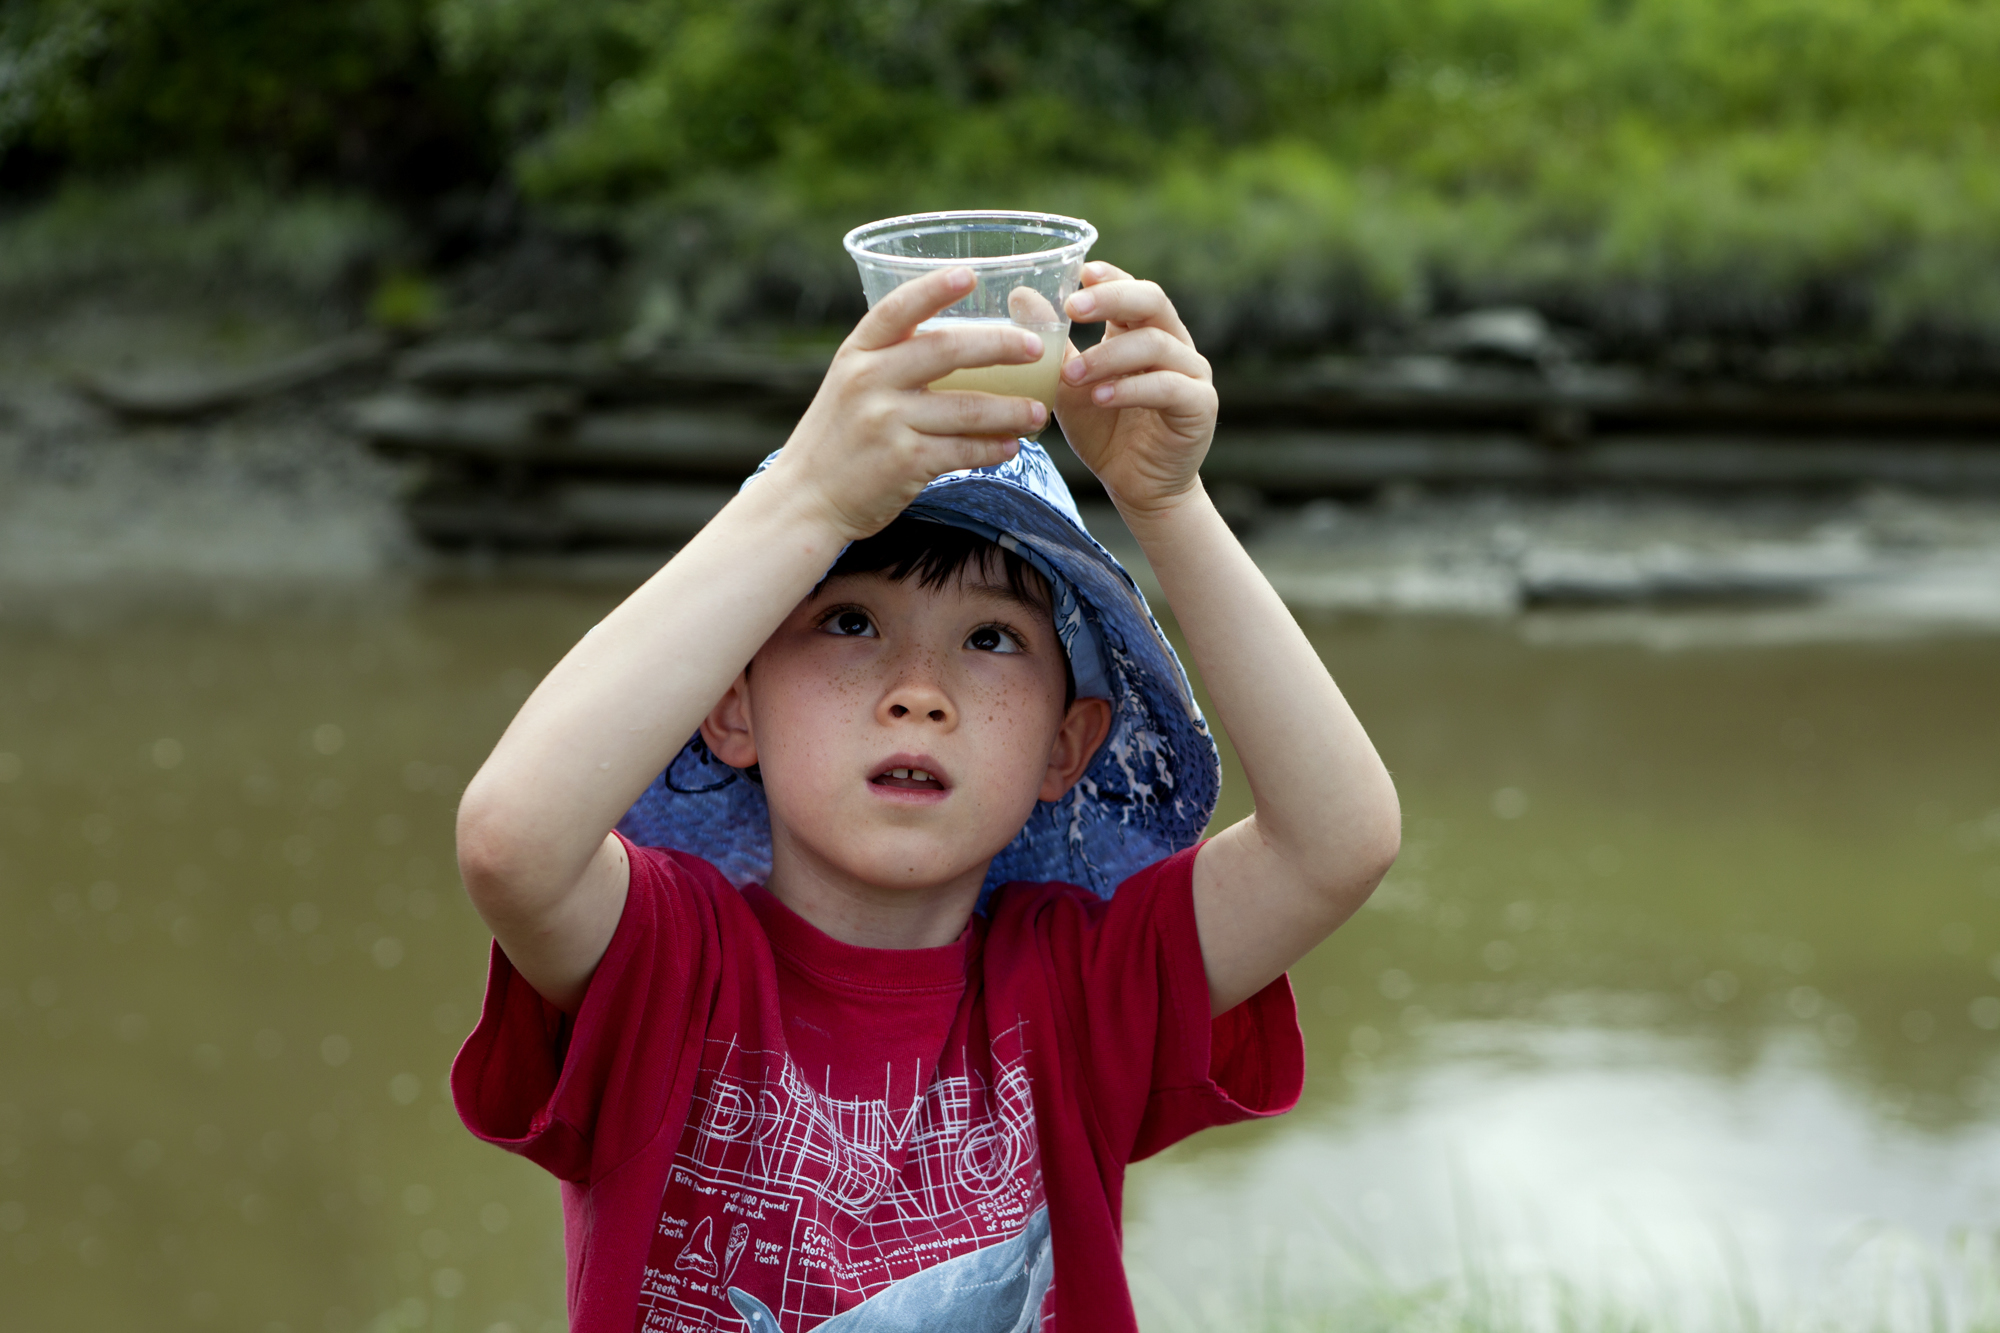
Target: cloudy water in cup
[1037, 379]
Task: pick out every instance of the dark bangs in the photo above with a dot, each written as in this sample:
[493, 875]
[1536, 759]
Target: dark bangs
[936, 553]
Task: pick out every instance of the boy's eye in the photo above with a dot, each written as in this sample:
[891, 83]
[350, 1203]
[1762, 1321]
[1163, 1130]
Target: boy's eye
[853, 624]
[992, 639]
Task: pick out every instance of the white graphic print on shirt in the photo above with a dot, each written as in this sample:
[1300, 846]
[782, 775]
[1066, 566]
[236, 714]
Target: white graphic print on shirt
[785, 1208]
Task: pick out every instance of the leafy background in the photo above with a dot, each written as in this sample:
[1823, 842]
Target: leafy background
[1656, 172]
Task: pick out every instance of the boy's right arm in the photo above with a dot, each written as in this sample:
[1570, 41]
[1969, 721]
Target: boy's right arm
[534, 828]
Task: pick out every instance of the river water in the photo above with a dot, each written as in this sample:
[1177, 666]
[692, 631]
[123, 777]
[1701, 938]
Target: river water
[1681, 1003]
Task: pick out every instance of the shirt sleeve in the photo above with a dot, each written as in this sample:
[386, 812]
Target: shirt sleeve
[579, 1096]
[1156, 1067]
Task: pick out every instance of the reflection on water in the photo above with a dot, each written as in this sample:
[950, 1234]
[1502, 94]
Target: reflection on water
[1679, 942]
[1689, 973]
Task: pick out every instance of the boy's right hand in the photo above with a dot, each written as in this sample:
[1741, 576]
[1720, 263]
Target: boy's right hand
[875, 435]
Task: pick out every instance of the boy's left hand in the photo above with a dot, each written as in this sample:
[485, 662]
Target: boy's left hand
[1138, 408]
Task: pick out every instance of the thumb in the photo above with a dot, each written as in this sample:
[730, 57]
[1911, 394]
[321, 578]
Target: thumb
[896, 316]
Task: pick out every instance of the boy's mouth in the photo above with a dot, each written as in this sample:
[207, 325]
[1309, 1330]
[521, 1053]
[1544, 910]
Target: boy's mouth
[908, 779]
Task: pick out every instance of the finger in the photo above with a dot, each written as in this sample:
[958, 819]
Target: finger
[1097, 271]
[1025, 305]
[968, 412]
[940, 454]
[896, 316]
[1164, 391]
[935, 353]
[1135, 353]
[1129, 301]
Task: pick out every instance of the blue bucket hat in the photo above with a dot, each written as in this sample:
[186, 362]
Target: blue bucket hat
[1150, 788]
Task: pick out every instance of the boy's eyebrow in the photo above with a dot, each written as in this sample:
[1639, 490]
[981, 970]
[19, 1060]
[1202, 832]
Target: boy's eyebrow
[998, 589]
[1006, 592]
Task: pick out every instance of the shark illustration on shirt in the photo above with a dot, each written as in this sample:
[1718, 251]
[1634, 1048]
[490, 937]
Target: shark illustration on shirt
[997, 1289]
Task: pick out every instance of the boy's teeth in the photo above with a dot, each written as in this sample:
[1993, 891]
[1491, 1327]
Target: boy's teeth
[911, 775]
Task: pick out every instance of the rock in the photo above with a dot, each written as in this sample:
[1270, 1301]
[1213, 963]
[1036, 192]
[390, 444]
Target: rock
[1319, 462]
[548, 428]
[1506, 333]
[781, 376]
[492, 364]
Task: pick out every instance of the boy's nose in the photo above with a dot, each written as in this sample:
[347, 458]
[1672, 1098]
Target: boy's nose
[916, 694]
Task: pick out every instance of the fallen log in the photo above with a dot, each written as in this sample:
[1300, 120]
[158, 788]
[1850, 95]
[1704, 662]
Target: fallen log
[707, 443]
[184, 397]
[788, 375]
[546, 428]
[767, 374]
[1440, 391]
[576, 514]
[486, 364]
[511, 426]
[1306, 463]
[1738, 462]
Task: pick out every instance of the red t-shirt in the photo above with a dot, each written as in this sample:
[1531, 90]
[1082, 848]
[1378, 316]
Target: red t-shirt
[760, 1127]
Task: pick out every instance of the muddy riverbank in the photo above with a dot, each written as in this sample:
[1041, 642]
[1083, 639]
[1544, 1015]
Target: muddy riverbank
[291, 484]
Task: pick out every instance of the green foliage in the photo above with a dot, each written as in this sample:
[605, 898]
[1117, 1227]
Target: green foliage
[405, 303]
[348, 90]
[1296, 168]
[611, 95]
[43, 49]
[621, 97]
[1299, 166]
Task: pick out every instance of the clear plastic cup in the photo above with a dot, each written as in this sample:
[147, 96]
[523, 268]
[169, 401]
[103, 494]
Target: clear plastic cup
[1026, 265]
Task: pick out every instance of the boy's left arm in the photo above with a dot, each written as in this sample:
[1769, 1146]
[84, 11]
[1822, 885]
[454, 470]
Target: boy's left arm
[1140, 409]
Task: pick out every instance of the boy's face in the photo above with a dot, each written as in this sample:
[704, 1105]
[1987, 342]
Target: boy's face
[904, 733]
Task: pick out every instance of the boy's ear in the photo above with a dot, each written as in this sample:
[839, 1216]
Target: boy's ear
[1083, 729]
[726, 729]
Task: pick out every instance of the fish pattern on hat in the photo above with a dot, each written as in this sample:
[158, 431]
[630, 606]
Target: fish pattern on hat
[1149, 790]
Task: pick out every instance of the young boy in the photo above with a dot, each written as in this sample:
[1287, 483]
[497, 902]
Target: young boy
[849, 1012]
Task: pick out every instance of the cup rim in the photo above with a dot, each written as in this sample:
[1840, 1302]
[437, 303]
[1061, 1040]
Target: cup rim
[852, 242]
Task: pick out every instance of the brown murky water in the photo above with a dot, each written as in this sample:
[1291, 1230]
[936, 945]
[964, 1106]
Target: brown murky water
[1684, 999]
[1686, 937]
